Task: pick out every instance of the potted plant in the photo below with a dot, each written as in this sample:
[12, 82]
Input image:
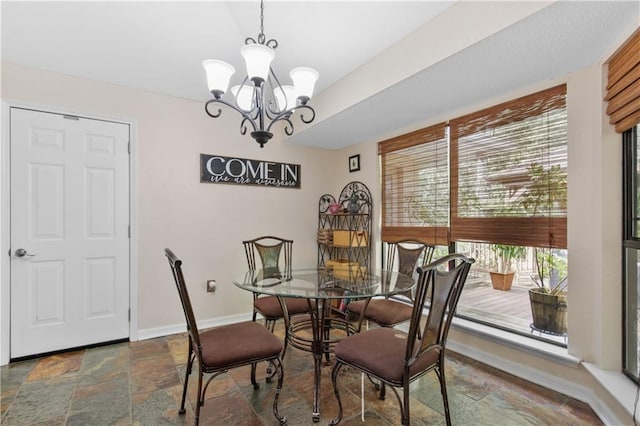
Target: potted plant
[549, 298]
[548, 188]
[502, 276]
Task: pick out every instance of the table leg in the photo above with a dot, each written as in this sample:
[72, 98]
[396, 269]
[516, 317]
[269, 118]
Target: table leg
[320, 344]
[317, 327]
[326, 329]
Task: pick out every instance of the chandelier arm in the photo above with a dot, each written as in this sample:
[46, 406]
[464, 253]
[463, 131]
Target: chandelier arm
[206, 108]
[286, 116]
[283, 116]
[243, 126]
[274, 85]
[313, 113]
[272, 43]
[245, 116]
[274, 76]
[259, 109]
[270, 112]
[288, 127]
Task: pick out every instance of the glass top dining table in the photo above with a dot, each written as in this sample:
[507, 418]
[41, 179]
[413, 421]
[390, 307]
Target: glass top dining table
[322, 286]
[324, 283]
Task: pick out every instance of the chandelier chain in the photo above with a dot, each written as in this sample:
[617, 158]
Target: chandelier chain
[261, 37]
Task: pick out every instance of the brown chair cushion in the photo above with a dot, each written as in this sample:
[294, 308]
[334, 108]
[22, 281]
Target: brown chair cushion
[381, 351]
[238, 344]
[384, 312]
[270, 308]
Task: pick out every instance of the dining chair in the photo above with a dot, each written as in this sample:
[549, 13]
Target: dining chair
[388, 312]
[223, 348]
[396, 358]
[271, 250]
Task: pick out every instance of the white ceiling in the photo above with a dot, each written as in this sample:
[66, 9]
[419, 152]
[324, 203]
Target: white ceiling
[159, 46]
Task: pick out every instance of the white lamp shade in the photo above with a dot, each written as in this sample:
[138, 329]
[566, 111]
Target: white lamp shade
[218, 74]
[304, 79]
[244, 96]
[258, 58]
[285, 98]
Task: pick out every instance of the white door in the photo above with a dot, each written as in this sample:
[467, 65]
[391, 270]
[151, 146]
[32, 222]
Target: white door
[69, 231]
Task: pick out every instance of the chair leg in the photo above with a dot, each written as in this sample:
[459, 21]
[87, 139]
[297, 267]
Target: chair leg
[443, 391]
[269, 325]
[334, 380]
[254, 382]
[200, 398]
[286, 342]
[186, 379]
[280, 370]
[406, 415]
[375, 384]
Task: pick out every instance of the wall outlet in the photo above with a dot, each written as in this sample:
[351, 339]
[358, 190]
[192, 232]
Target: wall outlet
[211, 286]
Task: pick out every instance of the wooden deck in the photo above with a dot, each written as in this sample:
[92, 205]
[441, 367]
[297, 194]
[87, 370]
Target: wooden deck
[509, 309]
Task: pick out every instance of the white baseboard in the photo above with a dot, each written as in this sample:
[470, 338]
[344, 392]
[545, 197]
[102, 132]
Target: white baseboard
[152, 333]
[617, 384]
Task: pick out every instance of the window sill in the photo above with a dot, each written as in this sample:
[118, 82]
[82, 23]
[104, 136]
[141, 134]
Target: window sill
[535, 347]
[621, 388]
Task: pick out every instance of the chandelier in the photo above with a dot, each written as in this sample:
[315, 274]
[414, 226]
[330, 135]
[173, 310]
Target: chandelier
[260, 98]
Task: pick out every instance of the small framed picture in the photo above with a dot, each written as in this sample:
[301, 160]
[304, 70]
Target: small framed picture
[354, 163]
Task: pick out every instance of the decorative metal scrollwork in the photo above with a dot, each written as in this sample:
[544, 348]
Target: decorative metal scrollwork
[361, 193]
[325, 201]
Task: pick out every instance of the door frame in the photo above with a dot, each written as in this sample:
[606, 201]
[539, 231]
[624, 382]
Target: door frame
[5, 219]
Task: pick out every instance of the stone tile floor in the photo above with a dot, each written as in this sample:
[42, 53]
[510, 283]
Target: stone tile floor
[140, 383]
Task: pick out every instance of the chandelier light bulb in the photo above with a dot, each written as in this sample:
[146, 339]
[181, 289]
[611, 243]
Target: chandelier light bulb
[304, 80]
[285, 98]
[258, 58]
[244, 96]
[218, 75]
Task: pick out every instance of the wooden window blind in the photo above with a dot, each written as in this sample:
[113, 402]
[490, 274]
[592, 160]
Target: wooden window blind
[508, 172]
[623, 86]
[415, 186]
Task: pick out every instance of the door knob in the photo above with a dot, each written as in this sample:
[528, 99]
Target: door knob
[22, 252]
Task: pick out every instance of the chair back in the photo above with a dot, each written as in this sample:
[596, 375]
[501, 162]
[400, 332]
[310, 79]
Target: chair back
[442, 282]
[410, 254]
[270, 251]
[192, 326]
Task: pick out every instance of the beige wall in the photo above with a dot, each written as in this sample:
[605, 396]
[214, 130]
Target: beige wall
[595, 200]
[203, 223]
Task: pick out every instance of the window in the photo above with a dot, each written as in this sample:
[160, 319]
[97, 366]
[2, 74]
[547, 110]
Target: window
[631, 247]
[497, 176]
[415, 195]
[509, 179]
[623, 108]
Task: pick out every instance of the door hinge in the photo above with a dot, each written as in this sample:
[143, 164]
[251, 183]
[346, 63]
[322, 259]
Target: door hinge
[129, 147]
[129, 231]
[129, 315]
[71, 117]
